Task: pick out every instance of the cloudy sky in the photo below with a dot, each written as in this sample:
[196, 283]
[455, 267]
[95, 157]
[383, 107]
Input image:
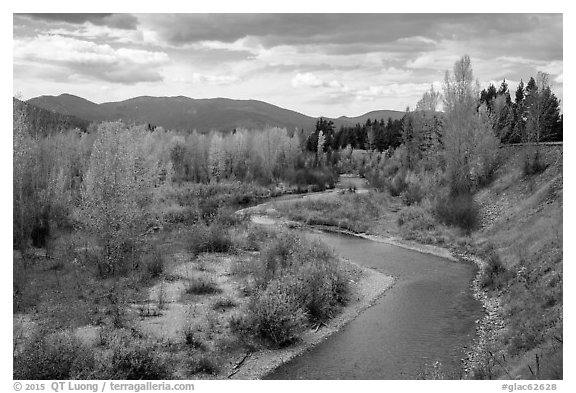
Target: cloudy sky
[317, 64]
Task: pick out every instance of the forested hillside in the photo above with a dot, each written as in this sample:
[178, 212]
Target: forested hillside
[187, 114]
[43, 122]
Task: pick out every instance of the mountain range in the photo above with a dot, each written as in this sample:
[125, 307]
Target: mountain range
[183, 113]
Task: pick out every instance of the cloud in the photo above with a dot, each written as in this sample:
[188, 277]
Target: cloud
[345, 60]
[307, 80]
[214, 79]
[86, 59]
[559, 78]
[400, 90]
[100, 34]
[118, 21]
[287, 29]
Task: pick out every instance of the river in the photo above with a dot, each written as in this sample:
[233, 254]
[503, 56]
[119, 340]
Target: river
[427, 316]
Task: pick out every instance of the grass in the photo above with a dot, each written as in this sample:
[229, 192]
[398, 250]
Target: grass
[523, 251]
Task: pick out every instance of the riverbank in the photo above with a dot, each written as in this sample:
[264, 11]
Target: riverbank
[519, 278]
[487, 328]
[367, 290]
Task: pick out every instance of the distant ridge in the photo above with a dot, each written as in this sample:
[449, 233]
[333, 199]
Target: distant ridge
[42, 122]
[184, 113]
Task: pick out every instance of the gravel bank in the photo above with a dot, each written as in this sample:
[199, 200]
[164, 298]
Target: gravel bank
[371, 286]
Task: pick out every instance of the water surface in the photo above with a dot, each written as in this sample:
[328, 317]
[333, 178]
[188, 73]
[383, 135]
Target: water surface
[428, 315]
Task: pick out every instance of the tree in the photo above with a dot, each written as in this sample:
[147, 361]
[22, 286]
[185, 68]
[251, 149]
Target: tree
[542, 110]
[429, 101]
[178, 155]
[217, 157]
[116, 192]
[412, 126]
[486, 96]
[503, 91]
[470, 145]
[320, 147]
[21, 156]
[502, 117]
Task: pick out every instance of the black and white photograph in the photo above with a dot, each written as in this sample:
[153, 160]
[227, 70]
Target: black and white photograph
[286, 196]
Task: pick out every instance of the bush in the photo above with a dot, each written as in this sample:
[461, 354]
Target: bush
[533, 163]
[239, 324]
[320, 288]
[209, 238]
[55, 356]
[319, 178]
[192, 340]
[180, 215]
[413, 194]
[494, 274]
[297, 281]
[415, 219]
[398, 184]
[202, 285]
[153, 263]
[223, 303]
[458, 210]
[277, 256]
[256, 235]
[204, 364]
[274, 315]
[134, 361]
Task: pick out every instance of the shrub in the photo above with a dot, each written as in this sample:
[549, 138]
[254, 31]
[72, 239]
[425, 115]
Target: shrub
[415, 219]
[274, 315]
[134, 361]
[298, 281]
[209, 238]
[494, 274]
[153, 263]
[223, 303]
[204, 364]
[320, 288]
[227, 218]
[54, 356]
[239, 324]
[192, 339]
[202, 285]
[458, 210]
[319, 178]
[256, 235]
[277, 255]
[398, 184]
[413, 194]
[180, 215]
[533, 163]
